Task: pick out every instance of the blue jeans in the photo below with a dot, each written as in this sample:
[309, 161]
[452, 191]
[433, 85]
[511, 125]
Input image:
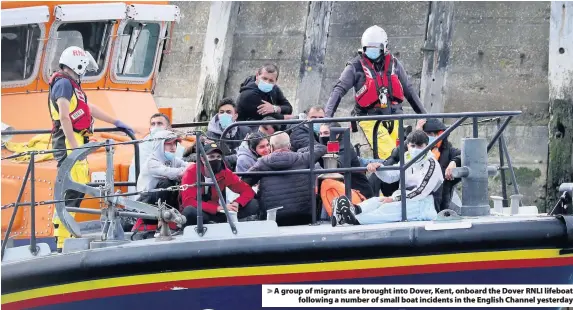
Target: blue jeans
[375, 212]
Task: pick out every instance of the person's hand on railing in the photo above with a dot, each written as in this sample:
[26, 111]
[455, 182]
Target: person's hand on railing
[122, 125]
[371, 167]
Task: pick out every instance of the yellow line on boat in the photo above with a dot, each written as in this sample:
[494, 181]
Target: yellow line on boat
[281, 269]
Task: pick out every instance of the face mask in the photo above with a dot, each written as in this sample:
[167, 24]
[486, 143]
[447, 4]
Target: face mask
[415, 152]
[372, 52]
[154, 129]
[225, 120]
[265, 87]
[432, 139]
[324, 140]
[216, 165]
[169, 156]
[316, 127]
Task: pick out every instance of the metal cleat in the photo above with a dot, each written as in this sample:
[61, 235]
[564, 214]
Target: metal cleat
[272, 214]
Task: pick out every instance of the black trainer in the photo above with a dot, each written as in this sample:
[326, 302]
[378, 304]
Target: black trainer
[345, 211]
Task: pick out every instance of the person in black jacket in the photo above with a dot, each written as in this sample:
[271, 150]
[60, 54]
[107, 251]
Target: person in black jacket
[447, 155]
[358, 180]
[291, 191]
[300, 134]
[260, 96]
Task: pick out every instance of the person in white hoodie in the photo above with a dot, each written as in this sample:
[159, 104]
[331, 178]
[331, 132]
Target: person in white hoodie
[423, 178]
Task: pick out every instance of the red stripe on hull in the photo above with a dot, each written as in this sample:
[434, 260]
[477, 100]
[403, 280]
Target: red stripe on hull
[288, 278]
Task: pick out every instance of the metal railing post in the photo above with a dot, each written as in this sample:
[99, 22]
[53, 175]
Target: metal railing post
[199, 229]
[402, 172]
[207, 165]
[504, 201]
[33, 248]
[311, 172]
[498, 133]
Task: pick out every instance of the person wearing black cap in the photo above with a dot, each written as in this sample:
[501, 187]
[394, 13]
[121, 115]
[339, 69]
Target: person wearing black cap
[246, 207]
[447, 155]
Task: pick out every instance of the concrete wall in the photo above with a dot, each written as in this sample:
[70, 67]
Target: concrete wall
[498, 61]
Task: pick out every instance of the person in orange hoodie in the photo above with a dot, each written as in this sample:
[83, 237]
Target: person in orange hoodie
[245, 205]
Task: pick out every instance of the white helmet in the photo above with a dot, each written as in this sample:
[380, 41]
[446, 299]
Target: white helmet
[375, 37]
[78, 60]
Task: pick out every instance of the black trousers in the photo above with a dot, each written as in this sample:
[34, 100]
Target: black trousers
[171, 198]
[443, 196]
[252, 208]
[378, 186]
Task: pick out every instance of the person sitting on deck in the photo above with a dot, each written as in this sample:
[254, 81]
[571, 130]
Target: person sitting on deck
[423, 179]
[161, 170]
[246, 207]
[290, 191]
[359, 181]
[300, 134]
[158, 121]
[447, 155]
[255, 147]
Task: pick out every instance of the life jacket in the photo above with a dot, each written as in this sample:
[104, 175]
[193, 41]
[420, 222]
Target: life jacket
[372, 87]
[330, 189]
[80, 113]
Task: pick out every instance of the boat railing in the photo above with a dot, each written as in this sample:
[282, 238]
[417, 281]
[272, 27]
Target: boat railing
[461, 118]
[114, 129]
[63, 184]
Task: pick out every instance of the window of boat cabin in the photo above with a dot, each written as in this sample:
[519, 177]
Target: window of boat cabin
[93, 37]
[20, 55]
[137, 44]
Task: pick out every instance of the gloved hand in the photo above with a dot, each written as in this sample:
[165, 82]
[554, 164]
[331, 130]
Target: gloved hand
[120, 124]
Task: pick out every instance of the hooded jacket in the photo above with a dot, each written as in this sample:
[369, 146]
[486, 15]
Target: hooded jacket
[245, 158]
[214, 131]
[290, 191]
[300, 135]
[157, 167]
[250, 97]
[423, 178]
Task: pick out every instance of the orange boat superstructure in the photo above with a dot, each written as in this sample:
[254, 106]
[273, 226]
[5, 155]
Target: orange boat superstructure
[127, 39]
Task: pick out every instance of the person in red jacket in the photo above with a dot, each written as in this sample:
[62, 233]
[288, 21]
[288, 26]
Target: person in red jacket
[246, 207]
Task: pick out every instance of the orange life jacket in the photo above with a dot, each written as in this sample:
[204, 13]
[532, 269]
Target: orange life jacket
[330, 189]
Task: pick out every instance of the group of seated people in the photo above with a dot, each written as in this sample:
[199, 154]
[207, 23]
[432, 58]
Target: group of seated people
[164, 162]
[266, 148]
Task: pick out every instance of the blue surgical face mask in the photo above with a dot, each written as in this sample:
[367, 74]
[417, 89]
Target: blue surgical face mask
[432, 139]
[169, 156]
[316, 127]
[225, 120]
[415, 152]
[265, 87]
[372, 52]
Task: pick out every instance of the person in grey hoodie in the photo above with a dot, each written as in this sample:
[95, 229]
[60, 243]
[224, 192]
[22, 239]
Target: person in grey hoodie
[289, 191]
[162, 168]
[255, 146]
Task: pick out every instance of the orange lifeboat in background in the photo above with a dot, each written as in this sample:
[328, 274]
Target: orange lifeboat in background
[127, 39]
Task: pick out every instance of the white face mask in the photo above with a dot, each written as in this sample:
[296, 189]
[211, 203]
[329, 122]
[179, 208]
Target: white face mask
[155, 129]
